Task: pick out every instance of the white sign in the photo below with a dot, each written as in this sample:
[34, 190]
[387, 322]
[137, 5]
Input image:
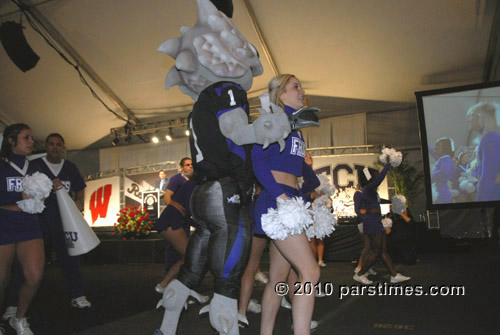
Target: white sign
[102, 201]
[132, 190]
[343, 174]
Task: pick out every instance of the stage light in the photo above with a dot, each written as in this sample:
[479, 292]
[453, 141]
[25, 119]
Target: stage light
[115, 141]
[155, 139]
[170, 135]
[187, 132]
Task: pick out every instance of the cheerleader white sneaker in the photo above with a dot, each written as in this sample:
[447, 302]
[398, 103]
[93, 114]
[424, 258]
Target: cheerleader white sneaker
[160, 289]
[254, 306]
[363, 279]
[242, 321]
[21, 326]
[261, 277]
[399, 278]
[80, 302]
[9, 312]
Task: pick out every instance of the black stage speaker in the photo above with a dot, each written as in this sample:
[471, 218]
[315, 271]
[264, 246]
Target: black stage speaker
[225, 6]
[16, 46]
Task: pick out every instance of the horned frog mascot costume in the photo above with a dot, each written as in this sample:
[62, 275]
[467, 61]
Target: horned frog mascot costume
[215, 65]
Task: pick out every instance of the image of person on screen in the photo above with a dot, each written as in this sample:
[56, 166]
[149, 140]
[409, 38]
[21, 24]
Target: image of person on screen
[442, 169]
[463, 177]
[482, 119]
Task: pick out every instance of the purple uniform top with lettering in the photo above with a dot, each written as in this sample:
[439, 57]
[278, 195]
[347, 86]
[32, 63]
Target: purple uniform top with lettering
[15, 226]
[290, 160]
[70, 178]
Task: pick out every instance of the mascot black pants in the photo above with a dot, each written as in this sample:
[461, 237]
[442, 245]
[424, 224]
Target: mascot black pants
[222, 239]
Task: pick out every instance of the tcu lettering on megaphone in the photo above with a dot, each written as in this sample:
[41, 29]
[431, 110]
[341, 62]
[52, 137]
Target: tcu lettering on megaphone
[80, 238]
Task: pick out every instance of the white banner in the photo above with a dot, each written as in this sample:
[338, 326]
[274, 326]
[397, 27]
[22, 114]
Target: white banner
[102, 201]
[342, 171]
[132, 190]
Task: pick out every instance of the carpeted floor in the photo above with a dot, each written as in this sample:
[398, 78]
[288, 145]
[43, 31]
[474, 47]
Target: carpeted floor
[123, 299]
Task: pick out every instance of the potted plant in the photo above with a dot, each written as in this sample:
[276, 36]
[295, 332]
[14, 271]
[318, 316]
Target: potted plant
[406, 180]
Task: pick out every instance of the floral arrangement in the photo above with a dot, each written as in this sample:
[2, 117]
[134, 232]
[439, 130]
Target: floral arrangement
[132, 223]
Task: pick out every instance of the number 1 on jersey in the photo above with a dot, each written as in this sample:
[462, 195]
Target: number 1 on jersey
[231, 95]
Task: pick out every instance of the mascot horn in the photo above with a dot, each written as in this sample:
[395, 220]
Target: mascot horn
[215, 65]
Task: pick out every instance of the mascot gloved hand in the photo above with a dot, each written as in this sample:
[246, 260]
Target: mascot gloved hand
[270, 127]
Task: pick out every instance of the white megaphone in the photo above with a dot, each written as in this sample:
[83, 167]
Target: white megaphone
[80, 238]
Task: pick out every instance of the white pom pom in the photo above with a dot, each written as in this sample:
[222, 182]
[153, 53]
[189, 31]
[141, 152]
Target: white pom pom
[38, 185]
[272, 225]
[398, 204]
[387, 223]
[325, 186]
[291, 218]
[467, 181]
[324, 221]
[395, 157]
[467, 186]
[32, 206]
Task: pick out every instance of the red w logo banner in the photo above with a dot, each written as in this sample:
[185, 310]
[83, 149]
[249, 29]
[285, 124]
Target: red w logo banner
[99, 201]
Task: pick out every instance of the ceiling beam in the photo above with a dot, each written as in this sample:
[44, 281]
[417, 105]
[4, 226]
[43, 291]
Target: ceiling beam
[262, 40]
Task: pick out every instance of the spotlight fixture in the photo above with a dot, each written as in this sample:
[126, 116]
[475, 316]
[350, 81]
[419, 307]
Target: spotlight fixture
[187, 132]
[170, 135]
[155, 139]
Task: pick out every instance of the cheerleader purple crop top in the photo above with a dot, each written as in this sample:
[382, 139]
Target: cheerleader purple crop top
[291, 160]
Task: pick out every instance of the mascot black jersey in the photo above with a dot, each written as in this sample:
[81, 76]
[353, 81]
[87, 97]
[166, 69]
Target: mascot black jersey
[213, 154]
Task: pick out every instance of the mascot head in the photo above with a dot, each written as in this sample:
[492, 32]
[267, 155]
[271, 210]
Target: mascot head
[211, 51]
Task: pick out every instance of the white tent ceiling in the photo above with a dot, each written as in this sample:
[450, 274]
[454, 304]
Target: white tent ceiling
[352, 56]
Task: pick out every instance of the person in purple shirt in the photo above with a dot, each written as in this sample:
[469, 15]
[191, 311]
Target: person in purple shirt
[482, 119]
[370, 214]
[64, 174]
[277, 173]
[20, 235]
[366, 240]
[67, 174]
[174, 225]
[177, 180]
[442, 170]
